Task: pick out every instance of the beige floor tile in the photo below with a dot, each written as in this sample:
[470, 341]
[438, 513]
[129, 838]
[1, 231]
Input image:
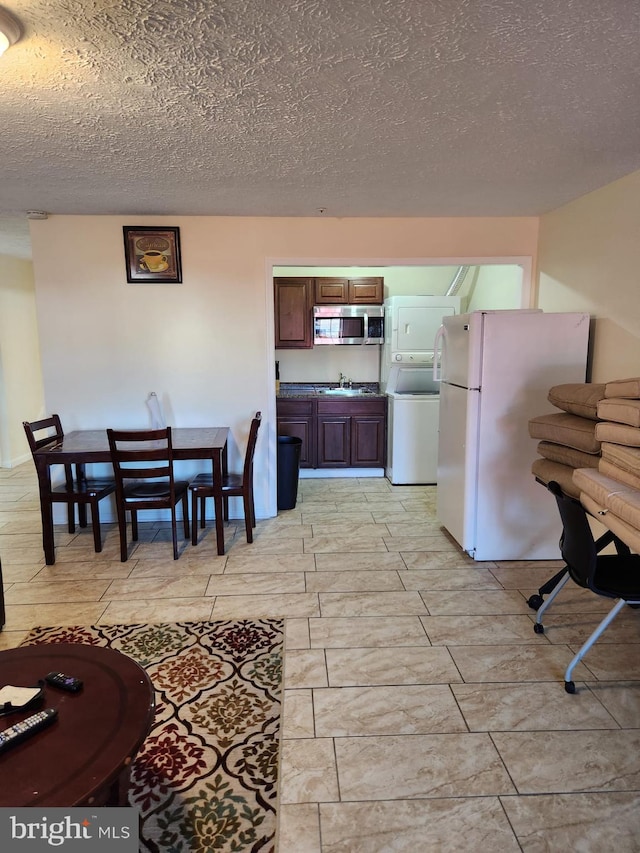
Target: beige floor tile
[367, 631]
[408, 665]
[425, 560]
[324, 515]
[296, 633]
[305, 668]
[409, 826]
[265, 606]
[190, 586]
[366, 561]
[11, 639]
[481, 630]
[299, 828]
[343, 544]
[56, 591]
[297, 714]
[20, 556]
[186, 565]
[371, 604]
[621, 699]
[528, 576]
[256, 583]
[412, 766]
[267, 545]
[245, 563]
[395, 513]
[516, 663]
[580, 822]
[418, 527]
[341, 581]
[488, 602]
[157, 610]
[87, 569]
[432, 544]
[20, 572]
[571, 761]
[529, 707]
[575, 628]
[398, 709]
[348, 528]
[611, 661]
[450, 579]
[573, 598]
[308, 771]
[27, 616]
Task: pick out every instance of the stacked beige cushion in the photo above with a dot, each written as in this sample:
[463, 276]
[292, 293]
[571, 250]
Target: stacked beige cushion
[568, 437]
[612, 493]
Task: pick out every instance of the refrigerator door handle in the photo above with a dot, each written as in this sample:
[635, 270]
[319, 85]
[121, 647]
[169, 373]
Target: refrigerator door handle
[437, 353]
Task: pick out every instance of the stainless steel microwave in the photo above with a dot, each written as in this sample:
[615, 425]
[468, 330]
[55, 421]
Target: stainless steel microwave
[348, 324]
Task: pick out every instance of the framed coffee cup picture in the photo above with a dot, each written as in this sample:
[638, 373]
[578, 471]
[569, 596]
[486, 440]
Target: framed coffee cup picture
[152, 255]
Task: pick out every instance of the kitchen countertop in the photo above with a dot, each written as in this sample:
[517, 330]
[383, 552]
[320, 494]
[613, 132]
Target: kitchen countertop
[318, 390]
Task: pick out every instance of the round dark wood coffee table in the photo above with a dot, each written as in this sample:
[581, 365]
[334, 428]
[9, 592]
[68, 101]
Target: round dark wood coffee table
[84, 757]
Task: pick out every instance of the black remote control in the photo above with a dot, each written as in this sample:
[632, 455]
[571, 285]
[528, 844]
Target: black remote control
[20, 731]
[64, 682]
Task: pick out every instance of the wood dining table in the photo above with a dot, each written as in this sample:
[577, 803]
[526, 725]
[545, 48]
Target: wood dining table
[82, 447]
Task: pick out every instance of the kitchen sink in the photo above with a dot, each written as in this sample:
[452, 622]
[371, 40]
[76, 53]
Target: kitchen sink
[343, 392]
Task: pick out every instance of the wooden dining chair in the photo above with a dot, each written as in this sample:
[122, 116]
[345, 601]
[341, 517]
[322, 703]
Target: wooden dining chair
[143, 465]
[75, 491]
[232, 485]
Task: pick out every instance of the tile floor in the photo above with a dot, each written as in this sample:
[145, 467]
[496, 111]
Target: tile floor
[422, 713]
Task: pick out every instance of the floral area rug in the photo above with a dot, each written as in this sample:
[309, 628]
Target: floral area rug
[206, 777]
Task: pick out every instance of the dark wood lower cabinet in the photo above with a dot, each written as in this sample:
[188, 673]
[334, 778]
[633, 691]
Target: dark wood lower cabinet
[336, 433]
[334, 441]
[297, 418]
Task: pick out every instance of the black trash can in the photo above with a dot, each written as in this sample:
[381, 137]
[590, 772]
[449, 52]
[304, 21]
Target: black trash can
[289, 448]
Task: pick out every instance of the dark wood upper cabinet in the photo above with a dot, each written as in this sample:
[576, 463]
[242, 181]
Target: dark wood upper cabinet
[293, 313]
[349, 291]
[366, 291]
[295, 298]
[332, 291]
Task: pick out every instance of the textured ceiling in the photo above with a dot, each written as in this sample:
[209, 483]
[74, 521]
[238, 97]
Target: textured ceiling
[279, 108]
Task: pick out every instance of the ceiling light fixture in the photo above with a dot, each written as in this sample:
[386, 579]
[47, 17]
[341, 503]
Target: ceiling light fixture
[10, 30]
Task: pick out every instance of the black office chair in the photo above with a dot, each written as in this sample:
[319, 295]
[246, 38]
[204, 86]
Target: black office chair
[78, 491]
[609, 575]
[553, 586]
[143, 465]
[233, 485]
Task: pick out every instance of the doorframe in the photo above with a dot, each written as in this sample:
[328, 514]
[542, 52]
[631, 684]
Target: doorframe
[526, 301]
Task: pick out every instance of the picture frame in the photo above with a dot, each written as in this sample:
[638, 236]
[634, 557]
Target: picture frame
[152, 255]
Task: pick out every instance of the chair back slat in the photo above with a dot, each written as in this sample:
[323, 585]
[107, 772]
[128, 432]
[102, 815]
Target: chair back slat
[54, 432]
[247, 473]
[142, 455]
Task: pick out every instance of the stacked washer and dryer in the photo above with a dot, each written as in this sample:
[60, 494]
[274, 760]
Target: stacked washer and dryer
[406, 376]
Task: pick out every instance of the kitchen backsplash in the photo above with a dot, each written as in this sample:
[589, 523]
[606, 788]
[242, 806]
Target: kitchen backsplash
[325, 364]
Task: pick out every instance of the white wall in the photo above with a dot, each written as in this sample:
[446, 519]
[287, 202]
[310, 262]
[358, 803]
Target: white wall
[21, 392]
[589, 260]
[206, 346]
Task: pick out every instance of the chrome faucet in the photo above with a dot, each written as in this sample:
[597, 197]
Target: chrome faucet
[342, 380]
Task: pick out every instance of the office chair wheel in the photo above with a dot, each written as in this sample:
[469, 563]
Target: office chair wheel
[535, 602]
[570, 687]
[538, 627]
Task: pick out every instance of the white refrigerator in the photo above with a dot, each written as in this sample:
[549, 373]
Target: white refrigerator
[496, 370]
